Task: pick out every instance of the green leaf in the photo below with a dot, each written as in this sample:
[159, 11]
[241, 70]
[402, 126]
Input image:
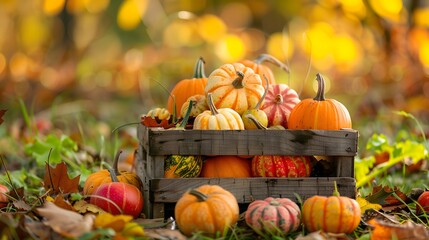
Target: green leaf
[61, 146]
[378, 143]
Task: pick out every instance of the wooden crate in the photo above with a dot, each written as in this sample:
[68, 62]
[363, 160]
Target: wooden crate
[160, 194]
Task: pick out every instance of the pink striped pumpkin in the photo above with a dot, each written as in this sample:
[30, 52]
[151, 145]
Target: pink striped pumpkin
[273, 214]
[279, 102]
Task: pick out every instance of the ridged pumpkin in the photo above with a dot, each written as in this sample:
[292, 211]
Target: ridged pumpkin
[273, 214]
[235, 86]
[226, 167]
[281, 166]
[319, 113]
[178, 166]
[159, 113]
[94, 180]
[262, 69]
[278, 104]
[199, 105]
[186, 88]
[218, 119]
[209, 209]
[334, 214]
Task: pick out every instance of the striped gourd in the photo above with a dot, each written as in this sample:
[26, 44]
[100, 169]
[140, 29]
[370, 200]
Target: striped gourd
[273, 214]
[177, 166]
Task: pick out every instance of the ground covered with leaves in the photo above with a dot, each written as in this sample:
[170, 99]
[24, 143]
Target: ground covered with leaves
[45, 166]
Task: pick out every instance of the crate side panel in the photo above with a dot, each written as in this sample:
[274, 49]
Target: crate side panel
[252, 142]
[247, 190]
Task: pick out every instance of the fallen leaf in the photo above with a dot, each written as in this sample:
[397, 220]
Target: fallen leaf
[2, 112]
[161, 233]
[116, 222]
[62, 203]
[151, 122]
[66, 223]
[83, 206]
[366, 205]
[58, 180]
[387, 230]
[132, 229]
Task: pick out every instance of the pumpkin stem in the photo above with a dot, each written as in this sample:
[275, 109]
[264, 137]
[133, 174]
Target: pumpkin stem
[186, 117]
[199, 69]
[279, 99]
[320, 96]
[238, 82]
[269, 58]
[201, 197]
[211, 104]
[114, 171]
[336, 193]
[265, 93]
[255, 121]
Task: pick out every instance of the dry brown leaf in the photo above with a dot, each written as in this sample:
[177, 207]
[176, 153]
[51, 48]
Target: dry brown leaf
[319, 235]
[65, 222]
[83, 206]
[62, 203]
[21, 205]
[58, 180]
[385, 230]
[162, 233]
[2, 112]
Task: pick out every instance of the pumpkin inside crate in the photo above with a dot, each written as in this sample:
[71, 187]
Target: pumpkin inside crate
[340, 146]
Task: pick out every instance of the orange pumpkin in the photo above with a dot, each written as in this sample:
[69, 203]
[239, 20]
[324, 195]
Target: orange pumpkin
[218, 119]
[187, 88]
[209, 209]
[226, 167]
[235, 86]
[263, 70]
[319, 113]
[334, 214]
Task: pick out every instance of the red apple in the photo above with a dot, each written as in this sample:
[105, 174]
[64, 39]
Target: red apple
[3, 197]
[126, 196]
[423, 200]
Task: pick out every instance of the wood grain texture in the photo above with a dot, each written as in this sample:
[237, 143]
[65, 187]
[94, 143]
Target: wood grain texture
[249, 142]
[247, 190]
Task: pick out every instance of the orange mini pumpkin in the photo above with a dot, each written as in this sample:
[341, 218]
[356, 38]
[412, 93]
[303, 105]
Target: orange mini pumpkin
[319, 113]
[209, 209]
[187, 88]
[235, 86]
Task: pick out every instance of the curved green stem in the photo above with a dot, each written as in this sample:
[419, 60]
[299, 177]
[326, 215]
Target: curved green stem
[200, 196]
[186, 117]
[212, 107]
[199, 69]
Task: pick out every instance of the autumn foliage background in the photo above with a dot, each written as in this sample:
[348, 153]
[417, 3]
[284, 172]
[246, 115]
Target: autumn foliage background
[110, 57]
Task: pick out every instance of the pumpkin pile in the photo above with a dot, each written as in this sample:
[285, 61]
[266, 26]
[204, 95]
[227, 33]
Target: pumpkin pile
[243, 96]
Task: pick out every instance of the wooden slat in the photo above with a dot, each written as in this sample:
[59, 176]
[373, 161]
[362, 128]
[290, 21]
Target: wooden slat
[248, 189]
[250, 142]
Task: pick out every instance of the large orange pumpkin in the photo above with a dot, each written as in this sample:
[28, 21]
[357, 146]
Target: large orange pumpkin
[187, 88]
[319, 113]
[235, 86]
[226, 167]
[262, 69]
[209, 209]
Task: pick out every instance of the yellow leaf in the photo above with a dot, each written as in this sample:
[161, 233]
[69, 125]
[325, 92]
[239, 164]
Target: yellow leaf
[365, 205]
[84, 207]
[132, 229]
[116, 222]
[49, 199]
[131, 13]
